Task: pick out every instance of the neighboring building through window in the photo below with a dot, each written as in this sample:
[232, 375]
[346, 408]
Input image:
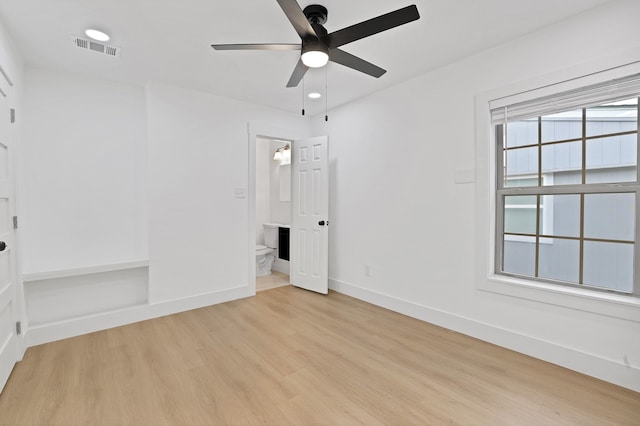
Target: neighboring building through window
[567, 190]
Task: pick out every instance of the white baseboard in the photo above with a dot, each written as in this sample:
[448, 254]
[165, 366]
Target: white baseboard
[591, 365]
[45, 333]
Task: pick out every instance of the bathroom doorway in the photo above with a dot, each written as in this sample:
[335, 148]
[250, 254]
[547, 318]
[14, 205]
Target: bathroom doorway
[272, 211]
[307, 236]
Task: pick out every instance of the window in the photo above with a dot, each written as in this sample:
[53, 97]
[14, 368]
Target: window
[568, 190]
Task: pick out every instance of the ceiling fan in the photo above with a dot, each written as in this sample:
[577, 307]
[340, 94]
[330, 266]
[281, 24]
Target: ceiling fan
[318, 46]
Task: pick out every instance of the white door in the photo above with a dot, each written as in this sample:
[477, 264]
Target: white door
[310, 215]
[8, 309]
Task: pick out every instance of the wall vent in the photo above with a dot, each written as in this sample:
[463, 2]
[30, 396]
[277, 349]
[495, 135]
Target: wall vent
[95, 46]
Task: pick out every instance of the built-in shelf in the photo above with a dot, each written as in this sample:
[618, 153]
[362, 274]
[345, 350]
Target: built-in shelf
[85, 270]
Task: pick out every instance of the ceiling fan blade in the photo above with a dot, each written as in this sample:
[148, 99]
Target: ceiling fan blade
[294, 13]
[299, 72]
[258, 46]
[348, 60]
[372, 26]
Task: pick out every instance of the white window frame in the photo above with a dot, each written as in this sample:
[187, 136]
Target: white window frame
[615, 305]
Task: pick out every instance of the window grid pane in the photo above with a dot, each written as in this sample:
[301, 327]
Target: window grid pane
[569, 237]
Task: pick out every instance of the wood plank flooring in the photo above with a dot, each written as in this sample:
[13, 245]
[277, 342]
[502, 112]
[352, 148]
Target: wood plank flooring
[288, 356]
[273, 280]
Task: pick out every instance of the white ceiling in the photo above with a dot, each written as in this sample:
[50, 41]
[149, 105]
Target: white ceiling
[168, 41]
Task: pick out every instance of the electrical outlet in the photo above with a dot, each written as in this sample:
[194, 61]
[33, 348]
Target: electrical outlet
[367, 270]
[240, 192]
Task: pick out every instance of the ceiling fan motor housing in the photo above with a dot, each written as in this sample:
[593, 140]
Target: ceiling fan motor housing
[314, 45]
[316, 14]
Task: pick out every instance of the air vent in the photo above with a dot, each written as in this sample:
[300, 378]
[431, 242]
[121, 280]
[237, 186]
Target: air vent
[97, 47]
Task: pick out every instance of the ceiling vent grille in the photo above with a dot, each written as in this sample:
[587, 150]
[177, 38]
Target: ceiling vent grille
[95, 46]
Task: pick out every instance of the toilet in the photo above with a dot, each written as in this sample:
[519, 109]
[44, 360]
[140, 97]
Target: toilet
[266, 254]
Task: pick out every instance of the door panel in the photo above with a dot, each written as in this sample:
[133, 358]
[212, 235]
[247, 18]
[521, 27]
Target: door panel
[8, 311]
[309, 232]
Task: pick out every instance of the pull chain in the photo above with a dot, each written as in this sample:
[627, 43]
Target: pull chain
[326, 95]
[303, 96]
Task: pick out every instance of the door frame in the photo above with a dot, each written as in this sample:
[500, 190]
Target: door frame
[265, 131]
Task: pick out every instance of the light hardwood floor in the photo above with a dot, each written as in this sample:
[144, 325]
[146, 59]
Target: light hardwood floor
[273, 280]
[288, 356]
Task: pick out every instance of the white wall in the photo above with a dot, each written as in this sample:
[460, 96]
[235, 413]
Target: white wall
[83, 196]
[11, 60]
[397, 211]
[263, 186]
[279, 210]
[269, 207]
[198, 155]
[83, 171]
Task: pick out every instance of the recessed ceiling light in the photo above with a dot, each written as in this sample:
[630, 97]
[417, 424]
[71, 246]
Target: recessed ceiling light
[314, 95]
[97, 35]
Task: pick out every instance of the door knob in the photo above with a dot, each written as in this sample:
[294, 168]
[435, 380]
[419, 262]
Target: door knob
[321, 223]
[3, 245]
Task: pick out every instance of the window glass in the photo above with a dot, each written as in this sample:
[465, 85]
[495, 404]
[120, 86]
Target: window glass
[562, 126]
[560, 260]
[612, 159]
[520, 133]
[562, 215]
[521, 161]
[521, 181]
[614, 117]
[520, 214]
[610, 216]
[520, 256]
[562, 159]
[609, 265]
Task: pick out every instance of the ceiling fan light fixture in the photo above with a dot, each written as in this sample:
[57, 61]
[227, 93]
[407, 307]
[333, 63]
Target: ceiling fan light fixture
[315, 55]
[315, 59]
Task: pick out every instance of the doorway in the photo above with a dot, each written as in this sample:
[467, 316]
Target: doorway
[272, 211]
[309, 196]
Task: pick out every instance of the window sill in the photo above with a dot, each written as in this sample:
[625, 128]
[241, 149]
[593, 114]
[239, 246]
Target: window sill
[613, 305]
